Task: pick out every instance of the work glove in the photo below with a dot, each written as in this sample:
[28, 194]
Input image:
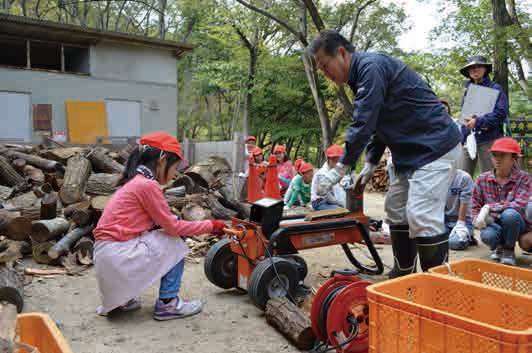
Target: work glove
[483, 218]
[332, 177]
[460, 232]
[367, 173]
[218, 228]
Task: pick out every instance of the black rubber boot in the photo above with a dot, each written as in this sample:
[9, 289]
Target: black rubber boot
[433, 251]
[404, 251]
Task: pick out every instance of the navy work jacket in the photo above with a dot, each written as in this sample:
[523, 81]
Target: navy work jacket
[395, 106]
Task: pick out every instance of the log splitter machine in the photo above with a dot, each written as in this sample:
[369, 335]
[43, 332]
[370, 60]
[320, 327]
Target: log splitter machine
[260, 255]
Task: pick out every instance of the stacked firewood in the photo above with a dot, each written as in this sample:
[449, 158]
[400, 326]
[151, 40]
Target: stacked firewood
[379, 181]
[51, 199]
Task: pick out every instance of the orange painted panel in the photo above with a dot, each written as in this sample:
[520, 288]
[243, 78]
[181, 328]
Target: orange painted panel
[85, 121]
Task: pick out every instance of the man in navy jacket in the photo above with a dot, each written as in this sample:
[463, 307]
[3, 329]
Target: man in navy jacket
[393, 107]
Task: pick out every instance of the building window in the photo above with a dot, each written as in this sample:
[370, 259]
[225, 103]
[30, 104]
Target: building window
[76, 59]
[45, 56]
[13, 52]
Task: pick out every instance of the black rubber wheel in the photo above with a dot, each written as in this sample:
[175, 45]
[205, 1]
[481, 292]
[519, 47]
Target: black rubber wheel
[273, 277]
[220, 265]
[301, 264]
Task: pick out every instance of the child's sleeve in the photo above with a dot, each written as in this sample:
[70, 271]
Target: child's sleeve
[152, 199]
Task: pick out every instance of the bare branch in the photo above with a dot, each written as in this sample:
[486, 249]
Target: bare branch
[357, 18]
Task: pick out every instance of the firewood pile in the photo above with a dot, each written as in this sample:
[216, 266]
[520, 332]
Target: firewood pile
[379, 181]
[51, 200]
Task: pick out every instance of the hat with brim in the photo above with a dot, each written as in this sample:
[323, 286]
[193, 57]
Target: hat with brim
[476, 60]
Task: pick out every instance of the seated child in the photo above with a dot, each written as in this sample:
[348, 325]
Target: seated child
[138, 239]
[458, 211]
[300, 193]
[500, 200]
[321, 195]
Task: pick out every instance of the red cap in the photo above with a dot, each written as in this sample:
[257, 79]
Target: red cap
[250, 138]
[335, 151]
[297, 164]
[256, 151]
[279, 148]
[506, 144]
[305, 167]
[163, 141]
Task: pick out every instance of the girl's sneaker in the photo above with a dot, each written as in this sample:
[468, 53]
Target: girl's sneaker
[132, 304]
[176, 309]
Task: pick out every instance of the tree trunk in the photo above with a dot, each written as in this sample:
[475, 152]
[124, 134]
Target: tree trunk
[291, 322]
[69, 210]
[14, 226]
[40, 253]
[8, 175]
[84, 250]
[83, 217]
[45, 230]
[41, 163]
[33, 175]
[64, 245]
[62, 155]
[19, 164]
[49, 206]
[102, 183]
[25, 200]
[11, 287]
[102, 163]
[501, 19]
[32, 213]
[75, 182]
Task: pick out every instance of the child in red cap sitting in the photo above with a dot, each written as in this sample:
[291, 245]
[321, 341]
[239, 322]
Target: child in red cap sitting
[500, 200]
[138, 239]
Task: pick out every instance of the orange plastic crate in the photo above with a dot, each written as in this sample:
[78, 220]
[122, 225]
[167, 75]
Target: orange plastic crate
[428, 313]
[39, 331]
[490, 274]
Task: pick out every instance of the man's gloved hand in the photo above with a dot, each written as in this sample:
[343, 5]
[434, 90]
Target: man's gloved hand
[367, 172]
[332, 177]
[460, 231]
[483, 218]
[218, 228]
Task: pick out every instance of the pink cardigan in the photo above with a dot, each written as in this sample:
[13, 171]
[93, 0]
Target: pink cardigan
[139, 206]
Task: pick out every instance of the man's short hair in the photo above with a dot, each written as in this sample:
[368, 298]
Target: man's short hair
[329, 41]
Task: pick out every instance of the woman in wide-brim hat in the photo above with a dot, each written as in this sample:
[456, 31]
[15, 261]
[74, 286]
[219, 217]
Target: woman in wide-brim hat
[487, 127]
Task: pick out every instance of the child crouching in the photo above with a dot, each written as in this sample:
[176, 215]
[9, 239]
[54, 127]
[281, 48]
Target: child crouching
[138, 239]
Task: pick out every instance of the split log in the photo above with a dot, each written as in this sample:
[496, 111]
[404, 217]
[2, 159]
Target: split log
[12, 250]
[177, 202]
[8, 175]
[32, 213]
[291, 322]
[41, 163]
[102, 183]
[75, 182]
[103, 163]
[45, 230]
[196, 213]
[188, 183]
[40, 253]
[70, 209]
[179, 191]
[19, 164]
[83, 217]
[64, 245]
[8, 327]
[52, 180]
[217, 210]
[42, 190]
[49, 205]
[25, 200]
[209, 172]
[84, 250]
[33, 175]
[125, 152]
[98, 203]
[5, 193]
[14, 226]
[11, 287]
[63, 154]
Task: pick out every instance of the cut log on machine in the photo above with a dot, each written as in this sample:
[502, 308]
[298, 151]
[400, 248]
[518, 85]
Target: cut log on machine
[11, 286]
[102, 163]
[102, 183]
[291, 322]
[67, 242]
[75, 181]
[218, 211]
[84, 250]
[45, 230]
[14, 226]
[41, 163]
[8, 175]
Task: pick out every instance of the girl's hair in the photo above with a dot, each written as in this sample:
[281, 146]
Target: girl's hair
[147, 156]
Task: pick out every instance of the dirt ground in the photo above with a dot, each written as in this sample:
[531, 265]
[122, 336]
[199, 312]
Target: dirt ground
[228, 323]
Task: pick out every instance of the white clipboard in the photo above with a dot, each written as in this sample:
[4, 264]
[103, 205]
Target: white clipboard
[479, 100]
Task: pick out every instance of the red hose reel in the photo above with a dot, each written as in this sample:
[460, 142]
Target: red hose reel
[339, 314]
